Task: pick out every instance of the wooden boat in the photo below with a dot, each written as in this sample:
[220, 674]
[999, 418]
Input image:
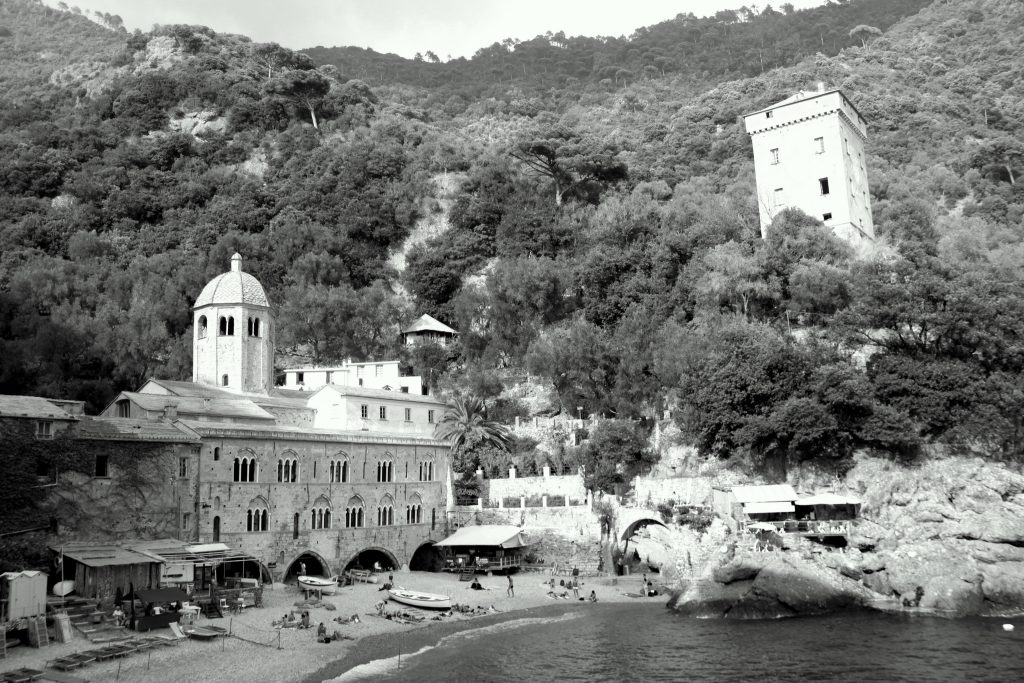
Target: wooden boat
[62, 588]
[201, 633]
[361, 576]
[318, 583]
[417, 599]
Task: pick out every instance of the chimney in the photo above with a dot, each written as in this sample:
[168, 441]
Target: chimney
[171, 411]
[236, 263]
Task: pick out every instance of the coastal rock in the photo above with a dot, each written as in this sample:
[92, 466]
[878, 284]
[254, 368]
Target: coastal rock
[198, 123]
[740, 569]
[706, 600]
[1003, 588]
[953, 596]
[1002, 525]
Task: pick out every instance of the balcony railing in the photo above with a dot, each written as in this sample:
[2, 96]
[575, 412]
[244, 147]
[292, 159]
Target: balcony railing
[808, 527]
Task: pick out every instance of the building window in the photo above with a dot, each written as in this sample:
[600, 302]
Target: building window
[202, 327]
[414, 513]
[403, 390]
[408, 414]
[774, 155]
[385, 471]
[768, 114]
[320, 517]
[257, 519]
[329, 378]
[360, 381]
[227, 326]
[359, 372]
[183, 468]
[244, 470]
[426, 471]
[102, 466]
[823, 185]
[223, 380]
[288, 470]
[300, 378]
[364, 411]
[124, 408]
[819, 145]
[254, 327]
[386, 513]
[378, 371]
[777, 198]
[186, 520]
[231, 326]
[383, 412]
[216, 453]
[354, 512]
[826, 217]
[44, 429]
[430, 416]
[339, 471]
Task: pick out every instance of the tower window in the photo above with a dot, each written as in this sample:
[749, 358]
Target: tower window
[223, 380]
[216, 453]
[223, 330]
[826, 217]
[823, 185]
[231, 326]
[202, 327]
[774, 155]
[819, 145]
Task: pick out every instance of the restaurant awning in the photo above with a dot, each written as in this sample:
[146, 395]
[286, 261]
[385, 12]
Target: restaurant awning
[828, 499]
[161, 595]
[495, 535]
[761, 508]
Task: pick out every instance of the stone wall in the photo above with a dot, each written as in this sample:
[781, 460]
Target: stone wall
[650, 491]
[570, 486]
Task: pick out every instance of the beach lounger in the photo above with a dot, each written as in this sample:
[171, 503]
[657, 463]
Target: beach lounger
[58, 677]
[64, 663]
[81, 657]
[15, 677]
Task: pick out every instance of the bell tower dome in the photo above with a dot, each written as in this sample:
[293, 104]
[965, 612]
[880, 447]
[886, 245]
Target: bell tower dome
[233, 333]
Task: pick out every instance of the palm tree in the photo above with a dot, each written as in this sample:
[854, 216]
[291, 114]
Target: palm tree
[465, 424]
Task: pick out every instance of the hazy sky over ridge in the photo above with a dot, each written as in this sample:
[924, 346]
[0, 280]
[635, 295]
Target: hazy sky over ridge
[447, 27]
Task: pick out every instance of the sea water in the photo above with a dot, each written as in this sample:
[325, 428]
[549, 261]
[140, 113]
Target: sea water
[649, 643]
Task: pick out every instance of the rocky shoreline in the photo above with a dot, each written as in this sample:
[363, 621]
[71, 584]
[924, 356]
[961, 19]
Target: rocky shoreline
[942, 538]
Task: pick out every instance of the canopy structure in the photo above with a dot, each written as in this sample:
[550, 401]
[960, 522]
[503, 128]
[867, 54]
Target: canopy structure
[827, 499]
[761, 526]
[768, 493]
[487, 535]
[763, 508]
[150, 595]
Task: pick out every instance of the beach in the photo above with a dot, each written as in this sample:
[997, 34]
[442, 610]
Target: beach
[251, 653]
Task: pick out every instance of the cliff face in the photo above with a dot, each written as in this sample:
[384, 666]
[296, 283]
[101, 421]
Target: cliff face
[945, 538]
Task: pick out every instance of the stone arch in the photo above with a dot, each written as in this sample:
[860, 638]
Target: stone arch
[311, 558]
[637, 524]
[426, 558]
[367, 557]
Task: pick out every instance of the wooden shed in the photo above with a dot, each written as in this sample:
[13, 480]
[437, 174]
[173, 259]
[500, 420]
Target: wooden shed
[22, 594]
[100, 570]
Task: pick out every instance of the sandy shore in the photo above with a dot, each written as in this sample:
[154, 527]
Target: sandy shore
[252, 655]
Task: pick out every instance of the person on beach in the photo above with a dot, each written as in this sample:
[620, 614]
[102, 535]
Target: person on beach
[576, 588]
[593, 596]
[511, 592]
[302, 569]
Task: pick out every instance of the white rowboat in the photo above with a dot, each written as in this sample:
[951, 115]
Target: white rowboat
[415, 599]
[62, 588]
[318, 583]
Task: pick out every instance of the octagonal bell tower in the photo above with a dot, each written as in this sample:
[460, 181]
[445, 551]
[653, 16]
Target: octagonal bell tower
[233, 333]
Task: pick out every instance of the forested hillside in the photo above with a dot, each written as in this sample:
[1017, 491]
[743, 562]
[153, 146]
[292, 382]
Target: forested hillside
[603, 236]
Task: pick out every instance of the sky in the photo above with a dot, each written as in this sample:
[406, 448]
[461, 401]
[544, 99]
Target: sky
[446, 27]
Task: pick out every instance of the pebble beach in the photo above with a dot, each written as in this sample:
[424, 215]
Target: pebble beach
[257, 651]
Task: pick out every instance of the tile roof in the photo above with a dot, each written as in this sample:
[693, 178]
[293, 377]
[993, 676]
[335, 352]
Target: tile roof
[367, 392]
[131, 429]
[426, 323]
[32, 407]
[233, 287]
[284, 431]
[179, 388]
[236, 406]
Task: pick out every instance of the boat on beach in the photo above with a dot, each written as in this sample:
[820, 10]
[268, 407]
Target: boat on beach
[318, 583]
[417, 599]
[62, 588]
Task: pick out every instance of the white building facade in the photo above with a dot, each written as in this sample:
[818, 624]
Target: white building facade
[809, 155]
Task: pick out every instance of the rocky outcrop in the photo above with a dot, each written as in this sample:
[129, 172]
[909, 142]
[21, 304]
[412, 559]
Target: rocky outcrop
[199, 123]
[772, 585]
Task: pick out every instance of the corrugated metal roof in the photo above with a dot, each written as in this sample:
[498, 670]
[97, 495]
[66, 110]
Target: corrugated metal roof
[500, 535]
[764, 493]
[97, 555]
[32, 407]
[131, 429]
[426, 323]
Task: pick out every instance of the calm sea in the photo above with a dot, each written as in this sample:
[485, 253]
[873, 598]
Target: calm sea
[648, 643]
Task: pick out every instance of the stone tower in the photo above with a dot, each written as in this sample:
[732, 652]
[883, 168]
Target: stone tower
[809, 155]
[233, 334]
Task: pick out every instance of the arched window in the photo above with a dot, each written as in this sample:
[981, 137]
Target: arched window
[252, 470]
[223, 329]
[256, 332]
[386, 512]
[249, 326]
[288, 470]
[385, 470]
[257, 518]
[216, 453]
[231, 326]
[295, 525]
[244, 469]
[354, 512]
[201, 330]
[223, 380]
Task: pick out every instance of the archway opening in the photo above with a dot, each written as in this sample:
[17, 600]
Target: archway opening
[375, 559]
[631, 559]
[427, 558]
[636, 526]
[314, 566]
